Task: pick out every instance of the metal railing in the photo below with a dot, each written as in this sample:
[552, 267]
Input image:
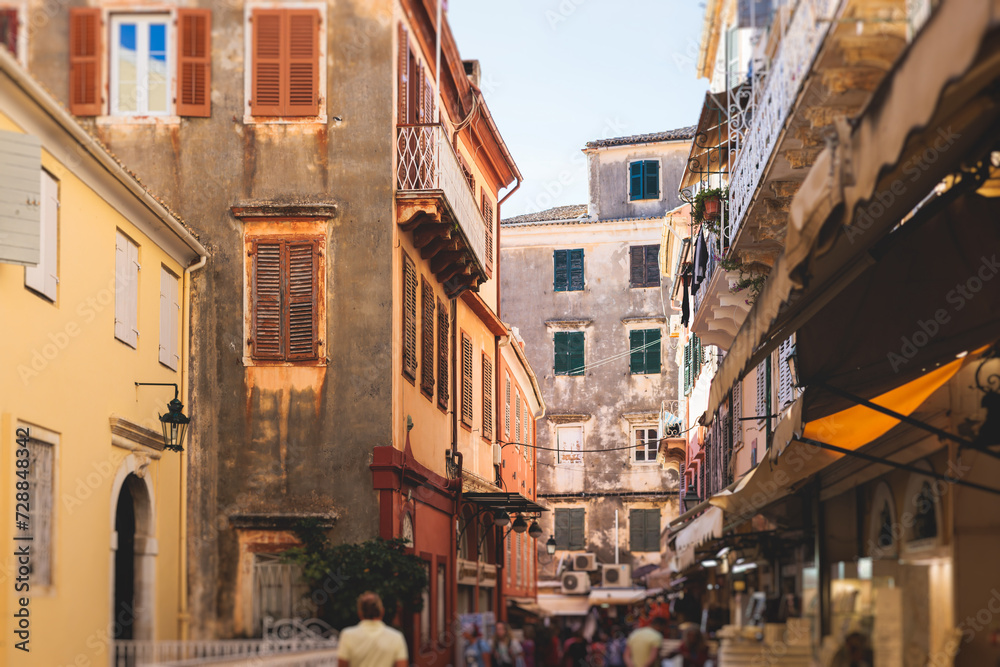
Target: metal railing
[427, 161]
[698, 298]
[772, 100]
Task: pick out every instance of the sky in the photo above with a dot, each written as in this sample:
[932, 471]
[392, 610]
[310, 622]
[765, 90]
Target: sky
[559, 73]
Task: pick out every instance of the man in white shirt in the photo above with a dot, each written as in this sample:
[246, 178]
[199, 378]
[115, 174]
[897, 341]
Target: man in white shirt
[371, 643]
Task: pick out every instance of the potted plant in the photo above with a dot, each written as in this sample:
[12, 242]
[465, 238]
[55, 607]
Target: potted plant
[707, 206]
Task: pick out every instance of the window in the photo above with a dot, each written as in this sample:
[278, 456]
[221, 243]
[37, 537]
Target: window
[786, 392]
[487, 208]
[415, 90]
[280, 591]
[568, 269]
[644, 266]
[644, 530]
[409, 318]
[466, 379]
[646, 443]
[44, 277]
[644, 348]
[694, 357]
[41, 446]
[487, 397]
[170, 310]
[426, 337]
[149, 74]
[569, 528]
[126, 290]
[286, 63]
[517, 416]
[763, 370]
[286, 279]
[443, 346]
[569, 353]
[569, 443]
[506, 406]
[10, 29]
[441, 601]
[644, 180]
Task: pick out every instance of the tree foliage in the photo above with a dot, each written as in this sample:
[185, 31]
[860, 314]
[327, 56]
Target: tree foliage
[337, 575]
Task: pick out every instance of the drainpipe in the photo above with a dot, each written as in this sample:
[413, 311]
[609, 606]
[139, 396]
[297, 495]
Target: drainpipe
[183, 618]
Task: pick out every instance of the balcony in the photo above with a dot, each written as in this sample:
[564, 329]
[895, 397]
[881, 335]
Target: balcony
[716, 312]
[435, 201]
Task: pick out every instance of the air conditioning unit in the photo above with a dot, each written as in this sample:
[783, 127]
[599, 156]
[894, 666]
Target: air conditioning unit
[616, 576]
[585, 563]
[497, 454]
[575, 583]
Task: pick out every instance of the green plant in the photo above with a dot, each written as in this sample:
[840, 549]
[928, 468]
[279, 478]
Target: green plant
[751, 278]
[698, 207]
[337, 575]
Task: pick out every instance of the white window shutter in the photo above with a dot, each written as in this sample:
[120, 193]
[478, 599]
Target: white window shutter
[121, 287]
[20, 199]
[169, 312]
[43, 278]
[175, 321]
[133, 293]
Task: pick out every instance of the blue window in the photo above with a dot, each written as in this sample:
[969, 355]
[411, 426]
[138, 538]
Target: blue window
[644, 180]
[568, 269]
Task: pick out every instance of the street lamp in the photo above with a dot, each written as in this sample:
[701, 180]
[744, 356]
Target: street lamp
[534, 530]
[175, 422]
[691, 498]
[519, 525]
[550, 546]
[501, 519]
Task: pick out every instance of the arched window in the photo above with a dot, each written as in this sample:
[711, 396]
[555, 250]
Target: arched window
[925, 521]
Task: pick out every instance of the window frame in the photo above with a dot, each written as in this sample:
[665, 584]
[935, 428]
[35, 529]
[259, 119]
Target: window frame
[561, 458]
[43, 436]
[649, 266]
[645, 349]
[19, 10]
[644, 180]
[248, 62]
[646, 450]
[566, 282]
[648, 533]
[569, 369]
[147, 19]
[569, 544]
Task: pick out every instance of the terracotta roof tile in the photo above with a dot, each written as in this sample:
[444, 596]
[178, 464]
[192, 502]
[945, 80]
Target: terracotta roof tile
[679, 134]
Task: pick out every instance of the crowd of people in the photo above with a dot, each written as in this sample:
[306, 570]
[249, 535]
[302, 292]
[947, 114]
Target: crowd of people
[602, 644]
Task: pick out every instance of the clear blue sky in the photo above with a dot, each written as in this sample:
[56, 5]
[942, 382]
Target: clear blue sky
[558, 73]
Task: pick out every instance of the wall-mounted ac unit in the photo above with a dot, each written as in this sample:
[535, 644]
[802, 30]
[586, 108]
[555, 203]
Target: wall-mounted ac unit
[497, 454]
[575, 583]
[585, 562]
[616, 576]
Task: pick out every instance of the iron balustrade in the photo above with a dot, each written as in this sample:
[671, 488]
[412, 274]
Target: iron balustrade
[427, 162]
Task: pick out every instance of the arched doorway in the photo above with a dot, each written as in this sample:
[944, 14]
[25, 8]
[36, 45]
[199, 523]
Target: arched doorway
[124, 609]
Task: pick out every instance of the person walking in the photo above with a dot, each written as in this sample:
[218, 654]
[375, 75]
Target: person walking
[643, 646]
[371, 643]
[476, 648]
[507, 651]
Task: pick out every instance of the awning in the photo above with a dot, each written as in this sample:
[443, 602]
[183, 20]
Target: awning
[702, 528]
[509, 502]
[526, 605]
[564, 605]
[615, 596]
[936, 103]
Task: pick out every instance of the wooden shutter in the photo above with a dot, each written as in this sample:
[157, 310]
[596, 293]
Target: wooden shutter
[651, 178]
[762, 389]
[652, 522]
[487, 397]
[637, 357]
[121, 285]
[517, 417]
[426, 337]
[637, 266]
[409, 318]
[562, 528]
[402, 59]
[652, 263]
[636, 530]
[9, 27]
[737, 412]
[560, 263]
[443, 358]
[577, 539]
[268, 63]
[785, 393]
[576, 269]
[266, 337]
[652, 342]
[428, 104]
[487, 207]
[561, 361]
[466, 380]
[84, 61]
[168, 319]
[576, 358]
[194, 62]
[302, 70]
[303, 300]
[635, 180]
[43, 277]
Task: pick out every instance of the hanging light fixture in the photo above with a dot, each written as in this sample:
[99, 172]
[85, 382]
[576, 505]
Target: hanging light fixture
[501, 519]
[534, 530]
[175, 422]
[691, 498]
[550, 545]
[519, 525]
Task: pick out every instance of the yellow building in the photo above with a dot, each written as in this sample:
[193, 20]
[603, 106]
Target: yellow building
[94, 283]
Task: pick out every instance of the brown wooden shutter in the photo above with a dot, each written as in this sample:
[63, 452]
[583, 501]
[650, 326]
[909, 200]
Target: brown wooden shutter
[194, 62]
[409, 318]
[267, 63]
[466, 380]
[487, 397]
[487, 207]
[444, 338]
[426, 337]
[428, 100]
[637, 266]
[302, 299]
[302, 68]
[402, 60]
[266, 341]
[84, 61]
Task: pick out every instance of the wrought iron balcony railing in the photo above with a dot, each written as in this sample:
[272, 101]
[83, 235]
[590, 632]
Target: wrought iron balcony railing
[427, 162]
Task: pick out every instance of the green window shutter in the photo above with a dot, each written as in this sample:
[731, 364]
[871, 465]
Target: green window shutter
[560, 262]
[576, 358]
[687, 368]
[561, 358]
[575, 279]
[576, 522]
[636, 530]
[635, 181]
[637, 357]
[651, 179]
[562, 528]
[652, 262]
[652, 530]
[653, 351]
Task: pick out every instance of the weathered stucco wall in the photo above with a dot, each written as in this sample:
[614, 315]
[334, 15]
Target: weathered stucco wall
[608, 174]
[276, 440]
